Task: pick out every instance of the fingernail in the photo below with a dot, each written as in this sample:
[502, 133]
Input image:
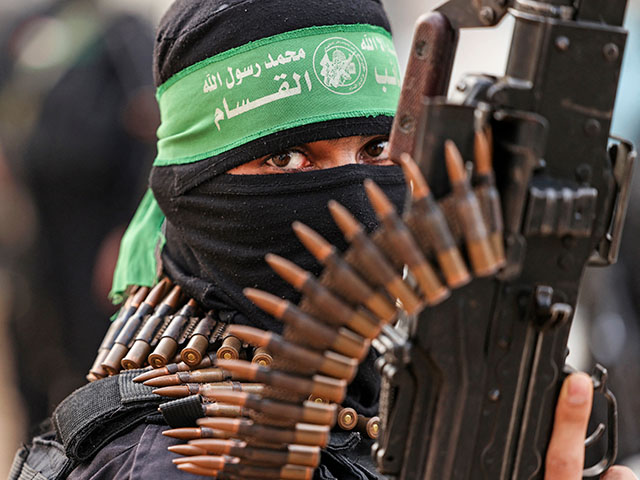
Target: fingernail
[578, 389]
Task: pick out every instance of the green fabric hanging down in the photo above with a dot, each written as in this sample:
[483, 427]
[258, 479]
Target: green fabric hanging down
[139, 249]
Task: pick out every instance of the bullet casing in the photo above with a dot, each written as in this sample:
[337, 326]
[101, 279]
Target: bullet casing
[342, 340]
[358, 292]
[408, 253]
[336, 311]
[489, 200]
[190, 433]
[199, 342]
[301, 359]
[230, 348]
[426, 221]
[479, 247]
[347, 418]
[112, 362]
[262, 357]
[375, 266]
[314, 435]
[168, 343]
[128, 309]
[140, 349]
[222, 410]
[369, 425]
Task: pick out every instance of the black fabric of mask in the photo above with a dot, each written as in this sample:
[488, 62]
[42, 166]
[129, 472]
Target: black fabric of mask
[219, 231]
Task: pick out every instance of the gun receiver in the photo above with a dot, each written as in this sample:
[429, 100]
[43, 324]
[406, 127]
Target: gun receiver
[470, 385]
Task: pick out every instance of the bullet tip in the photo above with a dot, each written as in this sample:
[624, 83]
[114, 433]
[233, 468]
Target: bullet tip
[381, 204]
[143, 377]
[482, 153]
[419, 188]
[454, 161]
[289, 271]
[265, 301]
[345, 221]
[313, 241]
[163, 381]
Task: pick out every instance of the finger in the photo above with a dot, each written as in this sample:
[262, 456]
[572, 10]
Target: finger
[619, 473]
[565, 456]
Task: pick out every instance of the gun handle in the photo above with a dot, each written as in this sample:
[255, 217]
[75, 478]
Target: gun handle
[427, 75]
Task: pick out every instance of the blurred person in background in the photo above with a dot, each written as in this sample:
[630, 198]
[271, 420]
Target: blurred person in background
[78, 115]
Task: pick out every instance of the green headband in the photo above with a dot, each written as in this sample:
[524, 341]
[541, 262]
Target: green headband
[296, 78]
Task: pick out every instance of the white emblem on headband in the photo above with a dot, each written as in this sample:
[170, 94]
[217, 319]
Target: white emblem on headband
[340, 66]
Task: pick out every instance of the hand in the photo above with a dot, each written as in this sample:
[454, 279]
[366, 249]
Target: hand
[565, 456]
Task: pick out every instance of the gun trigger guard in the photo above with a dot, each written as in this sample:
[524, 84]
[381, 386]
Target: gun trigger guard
[595, 436]
[599, 377]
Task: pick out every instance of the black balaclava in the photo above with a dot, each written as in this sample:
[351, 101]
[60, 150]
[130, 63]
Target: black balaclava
[219, 226]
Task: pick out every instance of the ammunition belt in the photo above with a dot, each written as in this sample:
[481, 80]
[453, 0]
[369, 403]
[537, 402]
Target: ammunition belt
[194, 342]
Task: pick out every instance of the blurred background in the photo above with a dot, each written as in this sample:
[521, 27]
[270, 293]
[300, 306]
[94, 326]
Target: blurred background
[77, 133]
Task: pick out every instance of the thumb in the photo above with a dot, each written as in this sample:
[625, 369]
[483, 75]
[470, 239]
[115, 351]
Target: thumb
[565, 456]
[619, 473]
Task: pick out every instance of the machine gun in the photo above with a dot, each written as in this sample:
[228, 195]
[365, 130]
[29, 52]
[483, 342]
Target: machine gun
[470, 385]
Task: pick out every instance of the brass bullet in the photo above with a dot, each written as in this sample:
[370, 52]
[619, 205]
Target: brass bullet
[405, 249]
[168, 343]
[204, 461]
[230, 348]
[302, 455]
[222, 410]
[218, 446]
[207, 375]
[487, 193]
[198, 344]
[331, 388]
[172, 368]
[330, 306]
[347, 418]
[309, 412]
[210, 391]
[372, 261]
[428, 225]
[482, 154]
[141, 346]
[369, 426]
[354, 288]
[196, 470]
[190, 433]
[188, 450]
[257, 457]
[479, 247]
[319, 336]
[262, 357]
[329, 363]
[304, 434]
[205, 389]
[128, 309]
[120, 347]
[178, 391]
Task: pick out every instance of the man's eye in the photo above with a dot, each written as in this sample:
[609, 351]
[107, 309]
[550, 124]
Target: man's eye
[289, 160]
[377, 149]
